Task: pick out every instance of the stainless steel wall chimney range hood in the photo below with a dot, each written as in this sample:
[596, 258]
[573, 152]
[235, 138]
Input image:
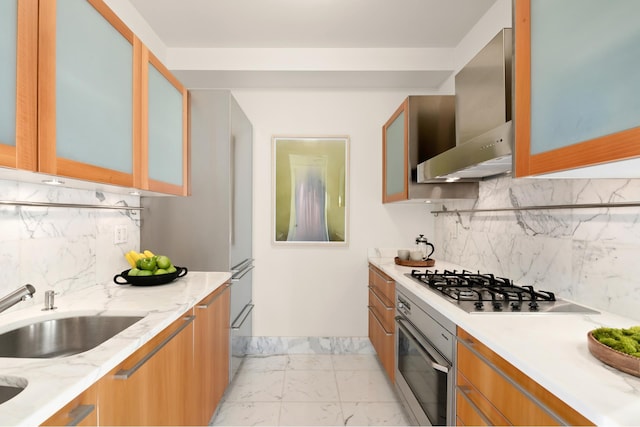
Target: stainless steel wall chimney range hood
[484, 132]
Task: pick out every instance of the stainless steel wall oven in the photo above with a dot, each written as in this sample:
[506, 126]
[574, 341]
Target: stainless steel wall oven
[425, 346]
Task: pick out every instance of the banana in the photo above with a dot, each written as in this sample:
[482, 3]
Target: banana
[148, 253]
[130, 260]
[135, 256]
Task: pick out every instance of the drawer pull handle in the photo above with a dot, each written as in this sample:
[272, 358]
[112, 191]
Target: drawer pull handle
[465, 392]
[389, 282]
[125, 374]
[375, 316]
[211, 301]
[386, 304]
[79, 413]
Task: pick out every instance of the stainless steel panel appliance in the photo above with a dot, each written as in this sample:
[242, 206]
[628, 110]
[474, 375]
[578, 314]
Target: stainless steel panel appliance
[487, 293]
[211, 230]
[484, 133]
[425, 351]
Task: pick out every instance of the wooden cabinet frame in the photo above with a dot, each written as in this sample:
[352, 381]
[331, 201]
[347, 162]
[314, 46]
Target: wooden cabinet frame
[145, 182]
[24, 154]
[404, 194]
[48, 161]
[616, 146]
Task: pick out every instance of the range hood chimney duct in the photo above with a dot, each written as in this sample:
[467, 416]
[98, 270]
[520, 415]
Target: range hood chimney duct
[484, 132]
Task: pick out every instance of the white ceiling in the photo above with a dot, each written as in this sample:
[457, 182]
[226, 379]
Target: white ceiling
[311, 23]
[211, 27]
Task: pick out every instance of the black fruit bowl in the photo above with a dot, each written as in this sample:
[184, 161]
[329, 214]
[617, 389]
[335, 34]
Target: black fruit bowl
[160, 279]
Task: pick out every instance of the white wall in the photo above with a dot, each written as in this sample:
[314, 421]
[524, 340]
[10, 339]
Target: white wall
[321, 291]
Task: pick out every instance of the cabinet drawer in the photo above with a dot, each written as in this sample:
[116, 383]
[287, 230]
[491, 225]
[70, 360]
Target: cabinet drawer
[384, 285]
[383, 342]
[383, 312]
[473, 408]
[505, 396]
[466, 414]
[512, 388]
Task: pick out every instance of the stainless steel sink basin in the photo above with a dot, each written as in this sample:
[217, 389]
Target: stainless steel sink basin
[62, 337]
[10, 387]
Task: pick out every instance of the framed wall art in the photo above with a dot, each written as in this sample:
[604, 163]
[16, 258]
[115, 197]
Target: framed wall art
[310, 190]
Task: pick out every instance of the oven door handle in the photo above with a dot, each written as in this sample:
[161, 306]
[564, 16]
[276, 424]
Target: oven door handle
[426, 349]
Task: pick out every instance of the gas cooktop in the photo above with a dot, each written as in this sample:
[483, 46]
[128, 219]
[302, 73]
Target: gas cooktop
[487, 293]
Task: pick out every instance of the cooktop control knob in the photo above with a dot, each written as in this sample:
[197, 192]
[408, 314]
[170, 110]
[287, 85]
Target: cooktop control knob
[516, 306]
[497, 306]
[533, 306]
[479, 305]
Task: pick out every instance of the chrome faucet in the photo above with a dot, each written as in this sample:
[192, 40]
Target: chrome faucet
[21, 294]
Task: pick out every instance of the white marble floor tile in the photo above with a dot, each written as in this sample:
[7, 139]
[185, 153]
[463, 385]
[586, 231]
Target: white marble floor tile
[374, 414]
[364, 386]
[277, 362]
[311, 414]
[310, 362]
[310, 389]
[356, 362]
[247, 414]
[310, 386]
[253, 386]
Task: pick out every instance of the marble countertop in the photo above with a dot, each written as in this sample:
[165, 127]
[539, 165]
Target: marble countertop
[550, 348]
[52, 383]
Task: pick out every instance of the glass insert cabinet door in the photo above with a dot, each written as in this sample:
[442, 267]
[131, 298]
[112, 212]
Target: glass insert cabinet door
[86, 107]
[164, 136]
[8, 53]
[577, 87]
[395, 146]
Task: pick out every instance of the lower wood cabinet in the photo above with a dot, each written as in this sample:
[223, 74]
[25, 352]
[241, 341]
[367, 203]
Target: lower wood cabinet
[382, 318]
[81, 411]
[154, 385]
[491, 391]
[177, 378]
[211, 352]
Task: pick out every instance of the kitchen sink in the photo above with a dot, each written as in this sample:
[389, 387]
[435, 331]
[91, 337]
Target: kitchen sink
[62, 337]
[11, 387]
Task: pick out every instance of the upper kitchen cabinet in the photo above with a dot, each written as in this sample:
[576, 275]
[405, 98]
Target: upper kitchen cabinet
[577, 109]
[395, 156]
[18, 83]
[421, 128]
[86, 93]
[164, 142]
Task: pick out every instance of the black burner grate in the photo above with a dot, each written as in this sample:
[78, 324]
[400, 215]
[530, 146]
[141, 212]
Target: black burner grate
[480, 288]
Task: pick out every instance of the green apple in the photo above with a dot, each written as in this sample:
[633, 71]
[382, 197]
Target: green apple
[163, 262]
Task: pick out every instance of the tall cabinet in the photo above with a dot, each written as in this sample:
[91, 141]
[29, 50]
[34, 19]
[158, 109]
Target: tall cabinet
[576, 88]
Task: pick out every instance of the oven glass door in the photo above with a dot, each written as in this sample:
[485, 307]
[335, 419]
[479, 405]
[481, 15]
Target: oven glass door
[426, 378]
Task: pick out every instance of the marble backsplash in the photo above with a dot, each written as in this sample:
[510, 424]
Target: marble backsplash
[585, 255]
[61, 248]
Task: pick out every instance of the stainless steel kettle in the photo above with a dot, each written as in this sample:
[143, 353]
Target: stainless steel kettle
[423, 245]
